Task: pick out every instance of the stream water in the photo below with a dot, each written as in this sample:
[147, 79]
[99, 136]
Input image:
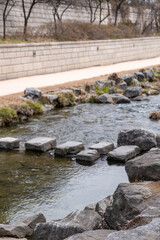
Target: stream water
[32, 182]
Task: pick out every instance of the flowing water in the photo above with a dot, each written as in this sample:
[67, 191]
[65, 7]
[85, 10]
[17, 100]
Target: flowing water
[32, 182]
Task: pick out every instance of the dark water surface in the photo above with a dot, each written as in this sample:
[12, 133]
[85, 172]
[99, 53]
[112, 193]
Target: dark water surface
[32, 182]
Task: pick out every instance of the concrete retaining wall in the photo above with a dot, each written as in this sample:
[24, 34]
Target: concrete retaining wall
[21, 60]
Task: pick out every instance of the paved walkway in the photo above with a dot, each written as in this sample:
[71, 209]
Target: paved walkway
[18, 85]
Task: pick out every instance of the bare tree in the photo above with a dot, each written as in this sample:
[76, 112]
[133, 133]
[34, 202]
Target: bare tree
[59, 8]
[8, 5]
[116, 7]
[27, 14]
[91, 7]
[104, 10]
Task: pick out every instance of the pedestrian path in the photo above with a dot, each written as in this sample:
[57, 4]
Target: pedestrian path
[18, 85]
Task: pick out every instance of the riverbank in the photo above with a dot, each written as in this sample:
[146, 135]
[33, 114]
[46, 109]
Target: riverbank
[136, 86]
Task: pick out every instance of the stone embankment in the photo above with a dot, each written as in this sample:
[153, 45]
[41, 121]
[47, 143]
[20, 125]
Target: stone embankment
[132, 212]
[112, 90]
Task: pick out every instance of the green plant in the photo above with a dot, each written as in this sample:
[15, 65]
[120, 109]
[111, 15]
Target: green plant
[102, 91]
[36, 106]
[92, 99]
[7, 114]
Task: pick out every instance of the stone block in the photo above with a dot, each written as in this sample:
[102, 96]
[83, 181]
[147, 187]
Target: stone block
[9, 143]
[88, 155]
[41, 144]
[68, 148]
[103, 147]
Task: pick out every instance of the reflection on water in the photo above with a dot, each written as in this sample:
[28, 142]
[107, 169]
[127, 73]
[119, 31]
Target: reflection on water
[31, 182]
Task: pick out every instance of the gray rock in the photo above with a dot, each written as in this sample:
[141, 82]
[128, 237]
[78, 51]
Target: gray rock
[8, 238]
[103, 147]
[124, 153]
[52, 98]
[104, 83]
[128, 79]
[133, 92]
[22, 228]
[103, 204]
[129, 200]
[141, 98]
[149, 231]
[158, 140]
[33, 93]
[139, 76]
[41, 144]
[122, 85]
[91, 235]
[105, 98]
[88, 155]
[149, 74]
[111, 90]
[136, 83]
[9, 143]
[77, 91]
[145, 139]
[47, 108]
[76, 222]
[32, 221]
[68, 148]
[119, 98]
[145, 167]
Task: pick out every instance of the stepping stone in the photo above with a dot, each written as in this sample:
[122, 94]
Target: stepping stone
[9, 143]
[69, 147]
[88, 155]
[124, 153]
[41, 144]
[103, 147]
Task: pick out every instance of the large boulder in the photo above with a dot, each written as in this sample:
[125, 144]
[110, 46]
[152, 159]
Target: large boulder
[32, 93]
[124, 153]
[91, 235]
[103, 147]
[23, 228]
[87, 156]
[122, 85]
[76, 222]
[69, 148]
[103, 204]
[104, 98]
[128, 79]
[51, 98]
[139, 76]
[119, 98]
[41, 144]
[149, 74]
[149, 231]
[145, 139]
[132, 92]
[9, 143]
[133, 204]
[145, 167]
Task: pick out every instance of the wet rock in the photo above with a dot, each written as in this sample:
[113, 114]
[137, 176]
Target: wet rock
[129, 201]
[149, 231]
[105, 98]
[33, 93]
[139, 76]
[41, 144]
[103, 204]
[68, 148]
[8, 238]
[141, 98]
[91, 235]
[124, 153]
[145, 139]
[9, 143]
[149, 74]
[22, 228]
[47, 108]
[51, 98]
[145, 167]
[128, 79]
[122, 85]
[103, 147]
[76, 222]
[119, 98]
[87, 156]
[133, 92]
